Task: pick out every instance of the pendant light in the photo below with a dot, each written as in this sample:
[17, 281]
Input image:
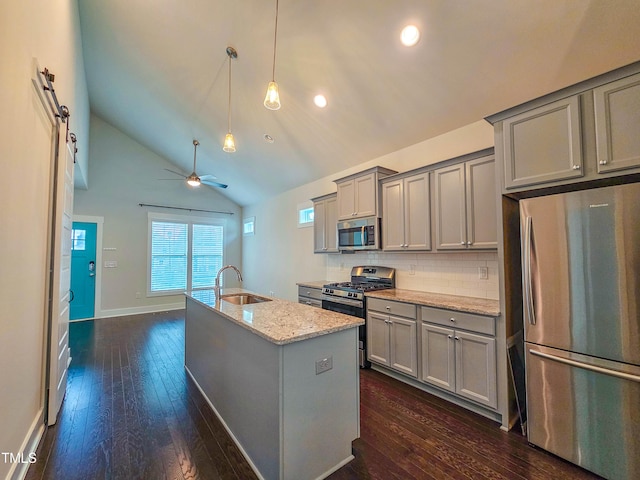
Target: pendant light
[272, 99]
[229, 141]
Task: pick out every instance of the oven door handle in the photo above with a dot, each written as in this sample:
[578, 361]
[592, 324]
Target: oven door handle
[343, 301]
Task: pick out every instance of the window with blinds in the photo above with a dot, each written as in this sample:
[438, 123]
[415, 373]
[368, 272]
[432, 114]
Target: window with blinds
[184, 255]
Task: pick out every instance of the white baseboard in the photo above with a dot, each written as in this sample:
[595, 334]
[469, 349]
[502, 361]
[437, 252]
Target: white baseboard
[18, 471]
[121, 312]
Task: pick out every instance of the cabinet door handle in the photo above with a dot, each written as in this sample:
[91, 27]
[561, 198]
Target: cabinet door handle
[462, 243]
[457, 338]
[388, 307]
[449, 336]
[452, 319]
[602, 162]
[576, 167]
[469, 243]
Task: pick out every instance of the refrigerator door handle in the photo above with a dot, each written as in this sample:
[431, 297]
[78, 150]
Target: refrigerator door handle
[586, 366]
[528, 290]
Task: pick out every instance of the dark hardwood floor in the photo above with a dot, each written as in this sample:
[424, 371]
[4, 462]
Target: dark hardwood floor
[131, 412]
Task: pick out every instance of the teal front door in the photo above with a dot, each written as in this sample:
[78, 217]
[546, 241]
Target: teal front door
[83, 270]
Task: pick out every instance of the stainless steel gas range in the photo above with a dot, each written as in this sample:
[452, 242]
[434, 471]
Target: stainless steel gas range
[349, 298]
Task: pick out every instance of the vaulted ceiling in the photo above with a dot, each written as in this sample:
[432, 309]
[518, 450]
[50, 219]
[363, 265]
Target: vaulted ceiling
[158, 71]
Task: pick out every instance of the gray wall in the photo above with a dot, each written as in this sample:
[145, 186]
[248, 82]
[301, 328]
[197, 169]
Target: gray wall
[124, 174]
[285, 252]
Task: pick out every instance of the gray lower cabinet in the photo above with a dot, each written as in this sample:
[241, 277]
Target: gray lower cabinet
[310, 296]
[325, 221]
[458, 354]
[465, 205]
[406, 213]
[617, 121]
[392, 335]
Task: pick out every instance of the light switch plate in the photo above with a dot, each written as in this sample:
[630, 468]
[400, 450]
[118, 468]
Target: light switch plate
[483, 273]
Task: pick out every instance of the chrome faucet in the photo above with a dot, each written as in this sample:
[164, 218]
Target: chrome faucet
[216, 286]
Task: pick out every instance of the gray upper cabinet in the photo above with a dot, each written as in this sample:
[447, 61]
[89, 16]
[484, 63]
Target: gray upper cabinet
[406, 219]
[325, 220]
[543, 145]
[617, 120]
[482, 220]
[465, 205]
[586, 132]
[450, 208]
[358, 195]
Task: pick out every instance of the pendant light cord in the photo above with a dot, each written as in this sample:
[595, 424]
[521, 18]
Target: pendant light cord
[275, 38]
[229, 106]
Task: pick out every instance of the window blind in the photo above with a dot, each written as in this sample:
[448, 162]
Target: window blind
[184, 255]
[169, 246]
[206, 254]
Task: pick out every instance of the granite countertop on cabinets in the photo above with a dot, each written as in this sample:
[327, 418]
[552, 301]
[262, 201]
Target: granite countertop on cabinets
[478, 306]
[313, 284]
[278, 321]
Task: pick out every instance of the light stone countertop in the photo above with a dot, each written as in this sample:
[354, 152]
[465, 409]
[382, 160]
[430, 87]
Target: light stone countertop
[313, 284]
[478, 306]
[278, 321]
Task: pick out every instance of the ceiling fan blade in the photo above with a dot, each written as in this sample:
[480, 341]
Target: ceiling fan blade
[208, 177]
[213, 184]
[177, 173]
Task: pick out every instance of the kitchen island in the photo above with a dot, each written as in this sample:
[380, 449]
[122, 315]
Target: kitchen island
[281, 376]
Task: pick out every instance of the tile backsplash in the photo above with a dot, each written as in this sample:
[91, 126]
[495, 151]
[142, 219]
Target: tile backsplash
[450, 273]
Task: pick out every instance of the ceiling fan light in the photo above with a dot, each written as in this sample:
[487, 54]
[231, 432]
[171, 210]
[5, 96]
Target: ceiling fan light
[193, 180]
[272, 99]
[229, 143]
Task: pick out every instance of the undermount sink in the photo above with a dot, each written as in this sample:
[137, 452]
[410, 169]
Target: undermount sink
[243, 298]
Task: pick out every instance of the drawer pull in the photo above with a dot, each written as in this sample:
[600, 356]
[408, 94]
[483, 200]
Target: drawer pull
[452, 319]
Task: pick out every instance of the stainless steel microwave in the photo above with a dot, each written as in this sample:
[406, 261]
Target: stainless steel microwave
[359, 234]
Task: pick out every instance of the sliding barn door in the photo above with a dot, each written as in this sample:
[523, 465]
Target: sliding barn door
[58, 280]
[59, 354]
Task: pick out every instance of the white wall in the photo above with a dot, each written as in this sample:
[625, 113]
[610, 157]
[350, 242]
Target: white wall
[124, 174]
[281, 254]
[50, 33]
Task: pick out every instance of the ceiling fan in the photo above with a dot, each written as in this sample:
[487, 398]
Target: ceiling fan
[194, 179]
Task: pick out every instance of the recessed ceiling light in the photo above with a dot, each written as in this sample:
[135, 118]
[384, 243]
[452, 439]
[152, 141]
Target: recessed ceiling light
[268, 138]
[410, 35]
[320, 101]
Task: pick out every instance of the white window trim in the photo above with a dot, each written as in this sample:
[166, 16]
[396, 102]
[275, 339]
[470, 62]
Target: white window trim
[246, 221]
[304, 206]
[189, 220]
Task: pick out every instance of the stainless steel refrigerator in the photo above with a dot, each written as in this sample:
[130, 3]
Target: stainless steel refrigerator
[581, 293]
